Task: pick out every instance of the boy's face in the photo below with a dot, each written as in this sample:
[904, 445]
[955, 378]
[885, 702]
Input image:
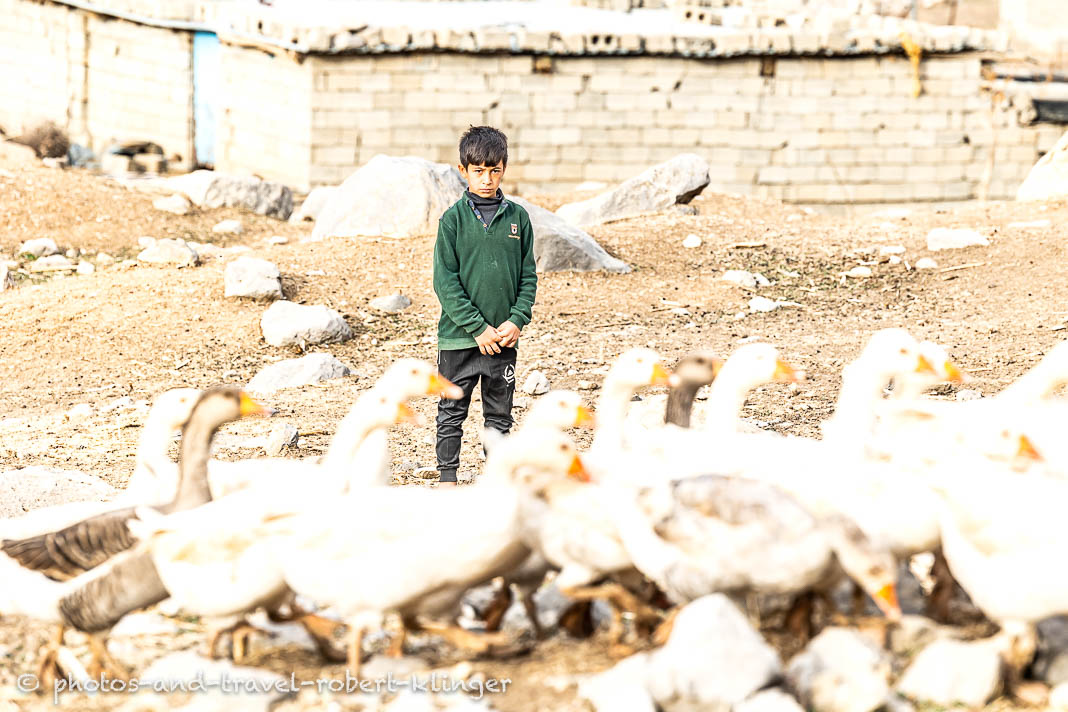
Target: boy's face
[483, 180]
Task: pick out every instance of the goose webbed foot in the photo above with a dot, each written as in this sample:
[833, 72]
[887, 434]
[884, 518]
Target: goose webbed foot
[622, 601]
[324, 631]
[48, 668]
[663, 631]
[102, 664]
[239, 634]
[477, 643]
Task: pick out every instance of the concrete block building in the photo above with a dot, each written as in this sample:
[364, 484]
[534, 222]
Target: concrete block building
[808, 111]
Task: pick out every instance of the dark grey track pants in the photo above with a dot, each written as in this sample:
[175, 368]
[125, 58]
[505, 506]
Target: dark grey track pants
[465, 368]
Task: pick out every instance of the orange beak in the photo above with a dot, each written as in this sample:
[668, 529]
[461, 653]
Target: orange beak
[584, 417]
[924, 366]
[578, 470]
[441, 386]
[785, 373]
[661, 376]
[250, 406]
[1027, 450]
[886, 600]
[954, 374]
[717, 366]
[405, 414]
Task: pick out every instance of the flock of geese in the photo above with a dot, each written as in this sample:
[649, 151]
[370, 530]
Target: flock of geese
[717, 507]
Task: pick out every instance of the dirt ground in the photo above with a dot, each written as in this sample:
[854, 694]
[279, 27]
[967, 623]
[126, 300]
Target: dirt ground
[130, 330]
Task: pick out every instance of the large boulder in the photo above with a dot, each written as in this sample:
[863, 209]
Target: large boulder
[559, 245]
[39, 247]
[390, 196]
[840, 671]
[288, 324]
[34, 487]
[209, 189]
[713, 659]
[253, 278]
[313, 204]
[663, 185]
[295, 372]
[1048, 178]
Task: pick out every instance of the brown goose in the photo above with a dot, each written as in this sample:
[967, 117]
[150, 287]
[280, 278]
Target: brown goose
[104, 544]
[694, 371]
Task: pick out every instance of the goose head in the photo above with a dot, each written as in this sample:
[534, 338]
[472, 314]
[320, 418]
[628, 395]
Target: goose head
[868, 562]
[169, 413]
[893, 353]
[534, 457]
[698, 369]
[559, 409]
[1043, 380]
[753, 365]
[411, 378]
[909, 384]
[221, 405]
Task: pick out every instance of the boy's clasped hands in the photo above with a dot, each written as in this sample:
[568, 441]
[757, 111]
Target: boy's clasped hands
[491, 340]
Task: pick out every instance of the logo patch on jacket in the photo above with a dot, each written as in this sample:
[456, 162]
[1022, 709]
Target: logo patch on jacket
[515, 230]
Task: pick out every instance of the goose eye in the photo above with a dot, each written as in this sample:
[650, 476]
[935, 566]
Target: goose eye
[1004, 433]
[876, 571]
[563, 448]
[904, 351]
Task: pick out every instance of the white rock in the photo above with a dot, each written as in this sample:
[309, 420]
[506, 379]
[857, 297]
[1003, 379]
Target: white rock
[536, 384]
[691, 241]
[620, 688]
[892, 250]
[1030, 225]
[7, 280]
[72, 253]
[288, 324]
[840, 671]
[1058, 698]
[394, 197]
[763, 281]
[773, 700]
[968, 394]
[253, 278]
[926, 263]
[177, 204]
[297, 372]
[712, 660]
[282, 435]
[1048, 179]
[675, 181]
[951, 672]
[741, 277]
[951, 238]
[52, 263]
[103, 258]
[895, 259]
[859, 272]
[393, 303]
[34, 487]
[209, 189]
[587, 386]
[229, 227]
[559, 245]
[763, 304]
[313, 204]
[86, 268]
[78, 413]
[277, 240]
[167, 251]
[40, 247]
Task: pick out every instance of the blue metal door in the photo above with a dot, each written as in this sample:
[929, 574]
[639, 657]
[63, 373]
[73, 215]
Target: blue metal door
[206, 81]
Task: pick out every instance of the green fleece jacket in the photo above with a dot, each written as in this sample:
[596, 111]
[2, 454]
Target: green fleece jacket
[483, 274]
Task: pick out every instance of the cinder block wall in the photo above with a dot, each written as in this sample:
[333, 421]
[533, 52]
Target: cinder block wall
[100, 78]
[800, 129]
[264, 122]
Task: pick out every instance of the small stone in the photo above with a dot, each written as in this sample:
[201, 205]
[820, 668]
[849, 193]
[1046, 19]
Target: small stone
[72, 253]
[969, 394]
[252, 278]
[536, 384]
[691, 241]
[946, 238]
[895, 259]
[40, 247]
[277, 240]
[288, 324]
[86, 268]
[926, 263]
[297, 372]
[951, 672]
[52, 263]
[103, 258]
[393, 304]
[741, 277]
[282, 435]
[177, 204]
[78, 413]
[587, 385]
[892, 250]
[859, 272]
[620, 688]
[762, 304]
[229, 227]
[680, 311]
[761, 280]
[840, 671]
[167, 251]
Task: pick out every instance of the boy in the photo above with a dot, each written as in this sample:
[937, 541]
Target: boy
[485, 280]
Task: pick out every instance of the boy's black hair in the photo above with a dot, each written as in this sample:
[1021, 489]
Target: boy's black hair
[483, 146]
